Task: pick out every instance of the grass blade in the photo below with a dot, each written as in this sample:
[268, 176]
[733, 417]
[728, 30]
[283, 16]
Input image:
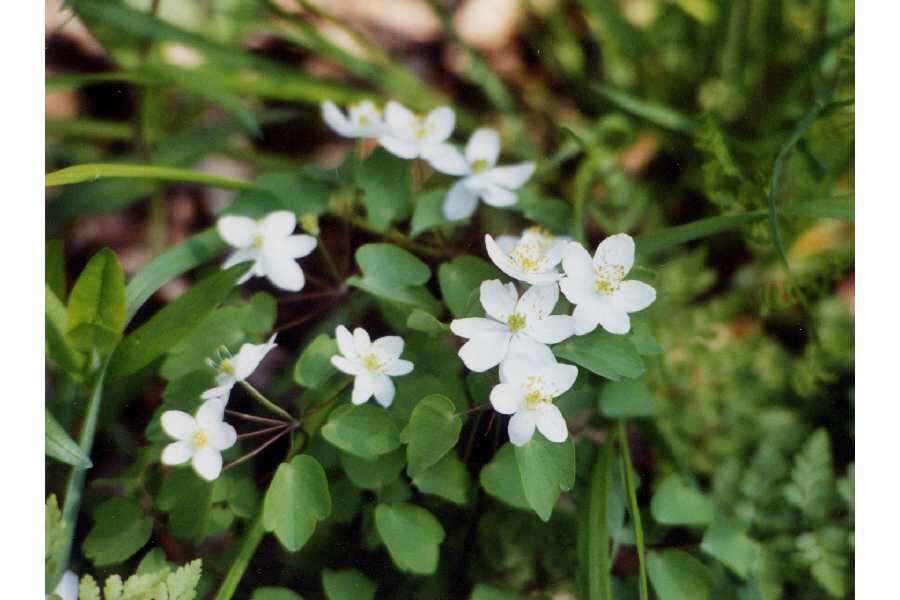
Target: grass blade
[659, 115]
[635, 512]
[598, 578]
[58, 444]
[665, 239]
[95, 171]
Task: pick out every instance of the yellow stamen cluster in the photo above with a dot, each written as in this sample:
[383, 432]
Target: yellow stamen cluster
[371, 362]
[534, 395]
[199, 439]
[480, 166]
[226, 366]
[516, 322]
[258, 242]
[608, 278]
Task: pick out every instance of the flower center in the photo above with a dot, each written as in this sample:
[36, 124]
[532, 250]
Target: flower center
[480, 166]
[227, 367]
[199, 439]
[421, 129]
[516, 322]
[608, 278]
[258, 242]
[527, 257]
[534, 395]
[371, 362]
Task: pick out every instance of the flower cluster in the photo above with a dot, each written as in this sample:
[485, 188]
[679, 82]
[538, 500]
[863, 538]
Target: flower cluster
[408, 135]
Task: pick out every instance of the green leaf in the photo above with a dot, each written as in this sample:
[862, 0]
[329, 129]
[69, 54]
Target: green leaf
[314, 367]
[55, 267]
[384, 180]
[825, 553]
[175, 261]
[727, 541]
[88, 589]
[366, 430]
[633, 508]
[652, 112]
[488, 592]
[500, 478]
[58, 444]
[676, 575]
[598, 560]
[188, 500]
[547, 469]
[97, 171]
[54, 535]
[59, 348]
[670, 237]
[347, 584]
[412, 536]
[120, 529]
[419, 320]
[173, 322]
[373, 474]
[552, 213]
[446, 478]
[432, 431]
[460, 279]
[429, 213]
[296, 193]
[836, 207]
[296, 499]
[96, 313]
[274, 593]
[812, 479]
[393, 274]
[625, 399]
[602, 353]
[676, 503]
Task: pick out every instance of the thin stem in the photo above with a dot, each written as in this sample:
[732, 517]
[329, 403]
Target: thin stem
[332, 266]
[251, 540]
[303, 319]
[471, 410]
[634, 510]
[312, 295]
[250, 434]
[259, 448]
[247, 417]
[267, 403]
[598, 563]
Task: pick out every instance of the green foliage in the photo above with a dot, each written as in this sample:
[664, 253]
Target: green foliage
[824, 552]
[676, 575]
[96, 311]
[676, 503]
[313, 369]
[500, 478]
[728, 542]
[447, 478]
[546, 469]
[395, 275]
[376, 473]
[610, 356]
[347, 584]
[60, 349]
[165, 584]
[460, 279]
[54, 533]
[58, 444]
[384, 181]
[626, 399]
[429, 213]
[274, 593]
[120, 529]
[432, 431]
[296, 500]
[812, 480]
[412, 536]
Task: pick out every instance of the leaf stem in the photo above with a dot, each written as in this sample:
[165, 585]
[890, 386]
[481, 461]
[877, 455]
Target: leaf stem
[247, 417]
[251, 540]
[598, 564]
[267, 403]
[634, 510]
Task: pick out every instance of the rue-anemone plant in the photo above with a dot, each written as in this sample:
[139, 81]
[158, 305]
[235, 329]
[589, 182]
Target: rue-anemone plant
[444, 361]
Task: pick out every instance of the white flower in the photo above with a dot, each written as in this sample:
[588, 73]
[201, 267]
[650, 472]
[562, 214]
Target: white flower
[483, 179]
[532, 258]
[67, 588]
[408, 135]
[516, 325]
[527, 394]
[270, 245]
[200, 440]
[239, 367]
[371, 363]
[363, 119]
[598, 288]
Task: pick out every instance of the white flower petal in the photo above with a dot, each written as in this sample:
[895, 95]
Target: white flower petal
[220, 392]
[445, 158]
[278, 224]
[484, 351]
[298, 246]
[439, 123]
[345, 342]
[552, 330]
[472, 326]
[578, 291]
[512, 176]
[526, 345]
[507, 243]
[177, 453]
[399, 147]
[249, 356]
[484, 145]
[499, 301]
[211, 412]
[616, 250]
[506, 398]
[551, 423]
[577, 263]
[238, 232]
[388, 348]
[538, 301]
[361, 340]
[337, 120]
[556, 379]
[345, 365]
[363, 388]
[522, 362]
[501, 259]
[633, 296]
[222, 436]
[240, 256]
[384, 390]
[613, 319]
[497, 196]
[284, 272]
[586, 318]
[177, 424]
[401, 122]
[460, 202]
[398, 368]
[207, 463]
[521, 427]
[68, 585]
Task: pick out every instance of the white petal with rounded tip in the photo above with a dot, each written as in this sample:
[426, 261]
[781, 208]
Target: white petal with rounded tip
[506, 398]
[177, 453]
[220, 392]
[578, 291]
[613, 319]
[501, 259]
[363, 388]
[616, 250]
[507, 243]
[554, 253]
[445, 158]
[278, 224]
[388, 348]
[384, 390]
[239, 232]
[345, 342]
[460, 202]
[178, 424]
[484, 351]
[512, 176]
[633, 296]
[557, 379]
[398, 368]
[399, 147]
[221, 436]
[586, 318]
[249, 356]
[345, 365]
[577, 263]
[400, 121]
[538, 301]
[361, 340]
[522, 343]
[551, 423]
[239, 256]
[283, 271]
[469, 327]
[552, 330]
[499, 301]
[521, 427]
[207, 463]
[497, 196]
[484, 145]
[519, 365]
[67, 588]
[298, 246]
[211, 412]
[337, 120]
[440, 123]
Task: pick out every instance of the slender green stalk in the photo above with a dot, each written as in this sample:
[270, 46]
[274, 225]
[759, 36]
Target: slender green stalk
[599, 583]
[259, 397]
[95, 171]
[249, 543]
[332, 266]
[635, 512]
